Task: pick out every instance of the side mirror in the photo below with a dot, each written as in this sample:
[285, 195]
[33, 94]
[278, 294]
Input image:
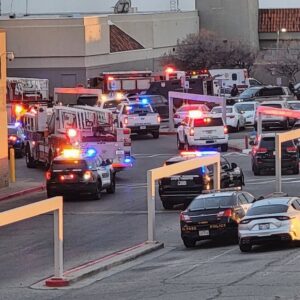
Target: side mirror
[233, 165]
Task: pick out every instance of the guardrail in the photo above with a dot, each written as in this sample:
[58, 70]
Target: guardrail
[54, 205]
[167, 171]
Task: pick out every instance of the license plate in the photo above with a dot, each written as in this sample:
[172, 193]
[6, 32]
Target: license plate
[210, 142]
[68, 177]
[203, 232]
[264, 226]
[181, 182]
[120, 152]
[142, 127]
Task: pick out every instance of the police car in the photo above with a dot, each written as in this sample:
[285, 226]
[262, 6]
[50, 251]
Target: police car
[76, 173]
[199, 130]
[183, 188]
[139, 117]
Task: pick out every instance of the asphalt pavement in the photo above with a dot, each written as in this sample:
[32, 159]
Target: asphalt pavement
[96, 228]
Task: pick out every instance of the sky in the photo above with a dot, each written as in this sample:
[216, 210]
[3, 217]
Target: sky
[57, 6]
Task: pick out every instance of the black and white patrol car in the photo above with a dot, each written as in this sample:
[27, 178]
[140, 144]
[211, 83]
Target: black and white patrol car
[74, 174]
[183, 188]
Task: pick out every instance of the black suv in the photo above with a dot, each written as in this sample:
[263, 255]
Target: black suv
[83, 175]
[263, 155]
[214, 216]
[183, 188]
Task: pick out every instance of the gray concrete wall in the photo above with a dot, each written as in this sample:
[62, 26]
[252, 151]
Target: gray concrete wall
[230, 19]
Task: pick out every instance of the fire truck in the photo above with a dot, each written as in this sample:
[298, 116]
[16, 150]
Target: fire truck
[51, 130]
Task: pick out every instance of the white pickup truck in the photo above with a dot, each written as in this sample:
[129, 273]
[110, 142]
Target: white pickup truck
[139, 117]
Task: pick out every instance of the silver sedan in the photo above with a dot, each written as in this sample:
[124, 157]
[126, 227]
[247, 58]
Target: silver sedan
[273, 219]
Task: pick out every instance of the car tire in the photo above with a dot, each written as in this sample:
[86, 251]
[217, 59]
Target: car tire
[224, 148]
[180, 146]
[286, 125]
[98, 194]
[245, 247]
[30, 163]
[155, 134]
[188, 243]
[256, 170]
[112, 188]
[167, 205]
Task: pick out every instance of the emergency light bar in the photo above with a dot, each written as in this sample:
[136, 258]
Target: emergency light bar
[71, 153]
[197, 153]
[195, 114]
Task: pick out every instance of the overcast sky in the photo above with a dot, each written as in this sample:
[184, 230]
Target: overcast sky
[57, 6]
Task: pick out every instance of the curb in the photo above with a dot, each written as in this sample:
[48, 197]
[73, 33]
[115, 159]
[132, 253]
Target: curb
[22, 192]
[105, 263]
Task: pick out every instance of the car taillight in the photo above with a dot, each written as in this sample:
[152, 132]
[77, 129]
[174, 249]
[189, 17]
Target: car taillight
[225, 129]
[246, 221]
[158, 119]
[12, 138]
[87, 175]
[283, 218]
[48, 175]
[184, 217]
[261, 150]
[192, 131]
[126, 131]
[225, 213]
[62, 178]
[291, 149]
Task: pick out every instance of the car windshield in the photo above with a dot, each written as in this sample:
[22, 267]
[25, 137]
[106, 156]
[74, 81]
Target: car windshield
[245, 107]
[64, 165]
[295, 106]
[248, 93]
[269, 143]
[111, 104]
[267, 209]
[208, 122]
[211, 203]
[218, 110]
[12, 131]
[272, 105]
[138, 109]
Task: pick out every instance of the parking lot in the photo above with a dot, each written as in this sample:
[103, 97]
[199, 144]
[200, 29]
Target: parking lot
[96, 228]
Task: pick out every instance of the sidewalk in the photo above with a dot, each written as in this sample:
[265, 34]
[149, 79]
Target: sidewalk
[20, 188]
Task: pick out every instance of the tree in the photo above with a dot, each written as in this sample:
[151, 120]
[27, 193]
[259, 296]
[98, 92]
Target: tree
[207, 50]
[286, 61]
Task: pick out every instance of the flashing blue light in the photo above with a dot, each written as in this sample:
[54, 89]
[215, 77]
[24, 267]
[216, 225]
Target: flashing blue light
[145, 101]
[127, 160]
[129, 107]
[18, 124]
[91, 152]
[203, 153]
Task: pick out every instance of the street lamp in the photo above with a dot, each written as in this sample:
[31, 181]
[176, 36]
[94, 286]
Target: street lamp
[278, 36]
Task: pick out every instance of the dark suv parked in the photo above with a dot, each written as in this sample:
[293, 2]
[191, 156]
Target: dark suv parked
[263, 155]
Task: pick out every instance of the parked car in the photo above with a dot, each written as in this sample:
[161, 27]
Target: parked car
[275, 121]
[272, 219]
[263, 155]
[214, 216]
[183, 111]
[248, 110]
[234, 118]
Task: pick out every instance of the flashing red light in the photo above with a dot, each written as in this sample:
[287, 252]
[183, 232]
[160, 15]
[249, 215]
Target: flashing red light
[184, 217]
[72, 133]
[18, 109]
[169, 70]
[62, 178]
[261, 150]
[110, 78]
[126, 131]
[12, 138]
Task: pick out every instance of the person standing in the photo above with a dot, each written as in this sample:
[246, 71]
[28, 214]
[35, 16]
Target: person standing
[234, 91]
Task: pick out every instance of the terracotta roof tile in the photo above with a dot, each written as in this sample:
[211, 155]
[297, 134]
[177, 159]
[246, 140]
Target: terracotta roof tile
[270, 20]
[121, 41]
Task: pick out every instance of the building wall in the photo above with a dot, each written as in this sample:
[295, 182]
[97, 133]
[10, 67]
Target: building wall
[70, 50]
[3, 115]
[230, 19]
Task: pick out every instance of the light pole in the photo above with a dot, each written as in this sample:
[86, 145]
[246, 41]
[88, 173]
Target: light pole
[278, 37]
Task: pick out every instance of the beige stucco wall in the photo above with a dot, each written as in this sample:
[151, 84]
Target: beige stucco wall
[3, 115]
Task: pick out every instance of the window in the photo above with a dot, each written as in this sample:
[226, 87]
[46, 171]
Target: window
[271, 91]
[212, 203]
[249, 197]
[267, 209]
[242, 199]
[296, 204]
[234, 77]
[68, 164]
